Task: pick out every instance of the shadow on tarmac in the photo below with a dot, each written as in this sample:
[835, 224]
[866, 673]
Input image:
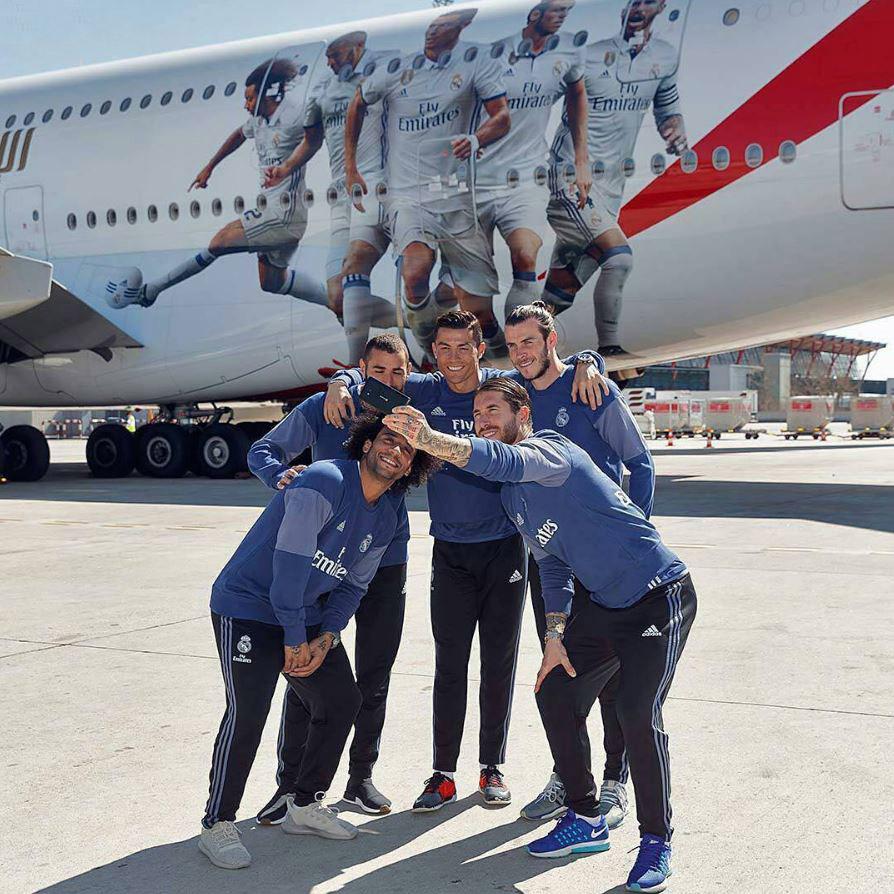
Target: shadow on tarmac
[856, 505]
[298, 864]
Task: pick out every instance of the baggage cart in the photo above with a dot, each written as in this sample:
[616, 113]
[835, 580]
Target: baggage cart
[809, 415]
[872, 416]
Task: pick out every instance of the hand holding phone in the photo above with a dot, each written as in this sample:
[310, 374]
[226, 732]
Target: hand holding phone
[382, 398]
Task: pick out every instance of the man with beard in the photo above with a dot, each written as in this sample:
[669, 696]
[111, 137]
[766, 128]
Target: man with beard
[632, 612]
[611, 438]
[624, 76]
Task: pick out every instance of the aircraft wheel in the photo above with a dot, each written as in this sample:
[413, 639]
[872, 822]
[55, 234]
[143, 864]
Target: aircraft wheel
[110, 451]
[223, 450]
[162, 450]
[26, 453]
[254, 430]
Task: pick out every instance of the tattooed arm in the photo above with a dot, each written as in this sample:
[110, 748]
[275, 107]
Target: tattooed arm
[412, 424]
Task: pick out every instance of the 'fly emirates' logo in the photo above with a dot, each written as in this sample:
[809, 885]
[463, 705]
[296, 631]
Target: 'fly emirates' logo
[429, 115]
[329, 566]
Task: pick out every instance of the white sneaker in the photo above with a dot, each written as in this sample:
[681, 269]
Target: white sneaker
[124, 291]
[613, 802]
[317, 819]
[222, 846]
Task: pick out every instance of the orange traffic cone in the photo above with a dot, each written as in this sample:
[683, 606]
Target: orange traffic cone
[670, 439]
[710, 441]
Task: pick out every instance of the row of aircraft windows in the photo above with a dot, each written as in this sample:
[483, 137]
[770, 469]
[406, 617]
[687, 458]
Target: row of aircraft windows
[765, 10]
[754, 157]
[106, 106]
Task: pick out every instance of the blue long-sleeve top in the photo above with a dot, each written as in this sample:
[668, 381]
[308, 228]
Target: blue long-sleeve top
[305, 427]
[317, 536]
[463, 508]
[609, 434]
[576, 520]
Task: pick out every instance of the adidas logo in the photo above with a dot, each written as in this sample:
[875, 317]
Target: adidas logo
[437, 411]
[516, 577]
[652, 631]
[341, 527]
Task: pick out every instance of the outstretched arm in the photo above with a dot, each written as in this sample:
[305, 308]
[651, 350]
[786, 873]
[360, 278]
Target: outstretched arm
[229, 146]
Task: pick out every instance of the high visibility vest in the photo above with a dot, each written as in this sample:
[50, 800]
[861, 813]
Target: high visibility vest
[131, 423]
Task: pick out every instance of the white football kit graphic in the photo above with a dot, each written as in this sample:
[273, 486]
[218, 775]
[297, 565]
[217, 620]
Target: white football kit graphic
[623, 81]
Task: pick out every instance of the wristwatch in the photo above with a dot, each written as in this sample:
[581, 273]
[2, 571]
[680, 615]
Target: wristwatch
[553, 634]
[336, 638]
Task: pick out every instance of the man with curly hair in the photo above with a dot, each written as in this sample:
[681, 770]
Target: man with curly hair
[325, 533]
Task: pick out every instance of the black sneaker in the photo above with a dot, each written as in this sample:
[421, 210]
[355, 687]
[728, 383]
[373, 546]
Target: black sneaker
[365, 795]
[275, 810]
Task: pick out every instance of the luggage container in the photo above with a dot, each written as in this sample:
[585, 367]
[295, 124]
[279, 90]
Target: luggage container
[671, 415]
[727, 414]
[808, 415]
[872, 416]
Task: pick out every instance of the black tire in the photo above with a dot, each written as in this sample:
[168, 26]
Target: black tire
[254, 430]
[26, 453]
[110, 451]
[162, 450]
[223, 450]
[195, 434]
[717, 436]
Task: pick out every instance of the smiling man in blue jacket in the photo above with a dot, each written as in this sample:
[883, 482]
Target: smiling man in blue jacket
[323, 534]
[636, 594]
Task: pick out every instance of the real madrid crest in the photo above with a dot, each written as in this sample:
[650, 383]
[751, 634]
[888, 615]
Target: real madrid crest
[609, 57]
[559, 68]
[244, 644]
[562, 417]
[365, 543]
[456, 81]
[406, 76]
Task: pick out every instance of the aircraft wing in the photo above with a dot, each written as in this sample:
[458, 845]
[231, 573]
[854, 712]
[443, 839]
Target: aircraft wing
[39, 316]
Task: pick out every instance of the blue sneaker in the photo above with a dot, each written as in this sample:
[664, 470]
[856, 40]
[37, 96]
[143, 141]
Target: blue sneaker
[652, 867]
[572, 835]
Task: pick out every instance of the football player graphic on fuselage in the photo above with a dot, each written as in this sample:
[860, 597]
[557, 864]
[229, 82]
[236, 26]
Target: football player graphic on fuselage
[540, 67]
[349, 63]
[274, 228]
[624, 76]
[429, 100]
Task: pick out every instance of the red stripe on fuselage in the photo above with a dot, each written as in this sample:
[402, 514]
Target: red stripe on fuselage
[798, 103]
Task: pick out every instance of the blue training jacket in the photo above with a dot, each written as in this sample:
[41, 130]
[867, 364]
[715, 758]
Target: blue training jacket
[305, 427]
[576, 521]
[317, 536]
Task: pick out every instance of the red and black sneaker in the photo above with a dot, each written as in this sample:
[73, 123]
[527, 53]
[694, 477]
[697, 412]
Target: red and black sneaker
[439, 790]
[491, 785]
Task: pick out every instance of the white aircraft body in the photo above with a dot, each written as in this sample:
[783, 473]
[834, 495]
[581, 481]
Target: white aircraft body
[771, 220]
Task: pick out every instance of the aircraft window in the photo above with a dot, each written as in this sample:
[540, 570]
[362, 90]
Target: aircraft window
[217, 207]
[444, 59]
[471, 54]
[131, 215]
[345, 73]
[658, 164]
[111, 217]
[187, 95]
[195, 209]
[230, 89]
[496, 50]
[331, 195]
[512, 178]
[208, 92]
[85, 110]
[66, 113]
[261, 202]
[309, 198]
[152, 213]
[540, 175]
[285, 200]
[419, 61]
[754, 155]
[568, 173]
[393, 66]
[302, 71]
[10, 121]
[35, 215]
[720, 158]
[28, 119]
[91, 219]
[146, 101]
[731, 16]
[788, 152]
[797, 8]
[104, 108]
[598, 170]
[239, 204]
[173, 211]
[628, 167]
[381, 190]
[551, 42]
[166, 97]
[125, 104]
[688, 161]
[525, 46]
[369, 68]
[580, 38]
[72, 222]
[47, 115]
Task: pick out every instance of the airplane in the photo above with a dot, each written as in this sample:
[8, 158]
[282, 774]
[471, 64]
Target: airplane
[771, 219]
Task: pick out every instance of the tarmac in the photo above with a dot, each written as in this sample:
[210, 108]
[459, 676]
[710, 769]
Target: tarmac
[781, 716]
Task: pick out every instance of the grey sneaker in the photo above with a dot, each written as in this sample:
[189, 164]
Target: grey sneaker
[492, 786]
[222, 846]
[613, 802]
[549, 804]
[317, 819]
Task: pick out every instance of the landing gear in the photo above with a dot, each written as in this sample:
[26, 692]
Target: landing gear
[110, 451]
[162, 450]
[222, 450]
[26, 454]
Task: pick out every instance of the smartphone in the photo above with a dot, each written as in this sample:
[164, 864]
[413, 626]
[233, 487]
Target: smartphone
[382, 398]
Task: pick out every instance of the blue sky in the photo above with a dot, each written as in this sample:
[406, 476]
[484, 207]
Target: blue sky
[39, 35]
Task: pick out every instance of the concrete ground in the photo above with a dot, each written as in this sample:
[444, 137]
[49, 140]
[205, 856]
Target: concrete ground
[781, 717]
